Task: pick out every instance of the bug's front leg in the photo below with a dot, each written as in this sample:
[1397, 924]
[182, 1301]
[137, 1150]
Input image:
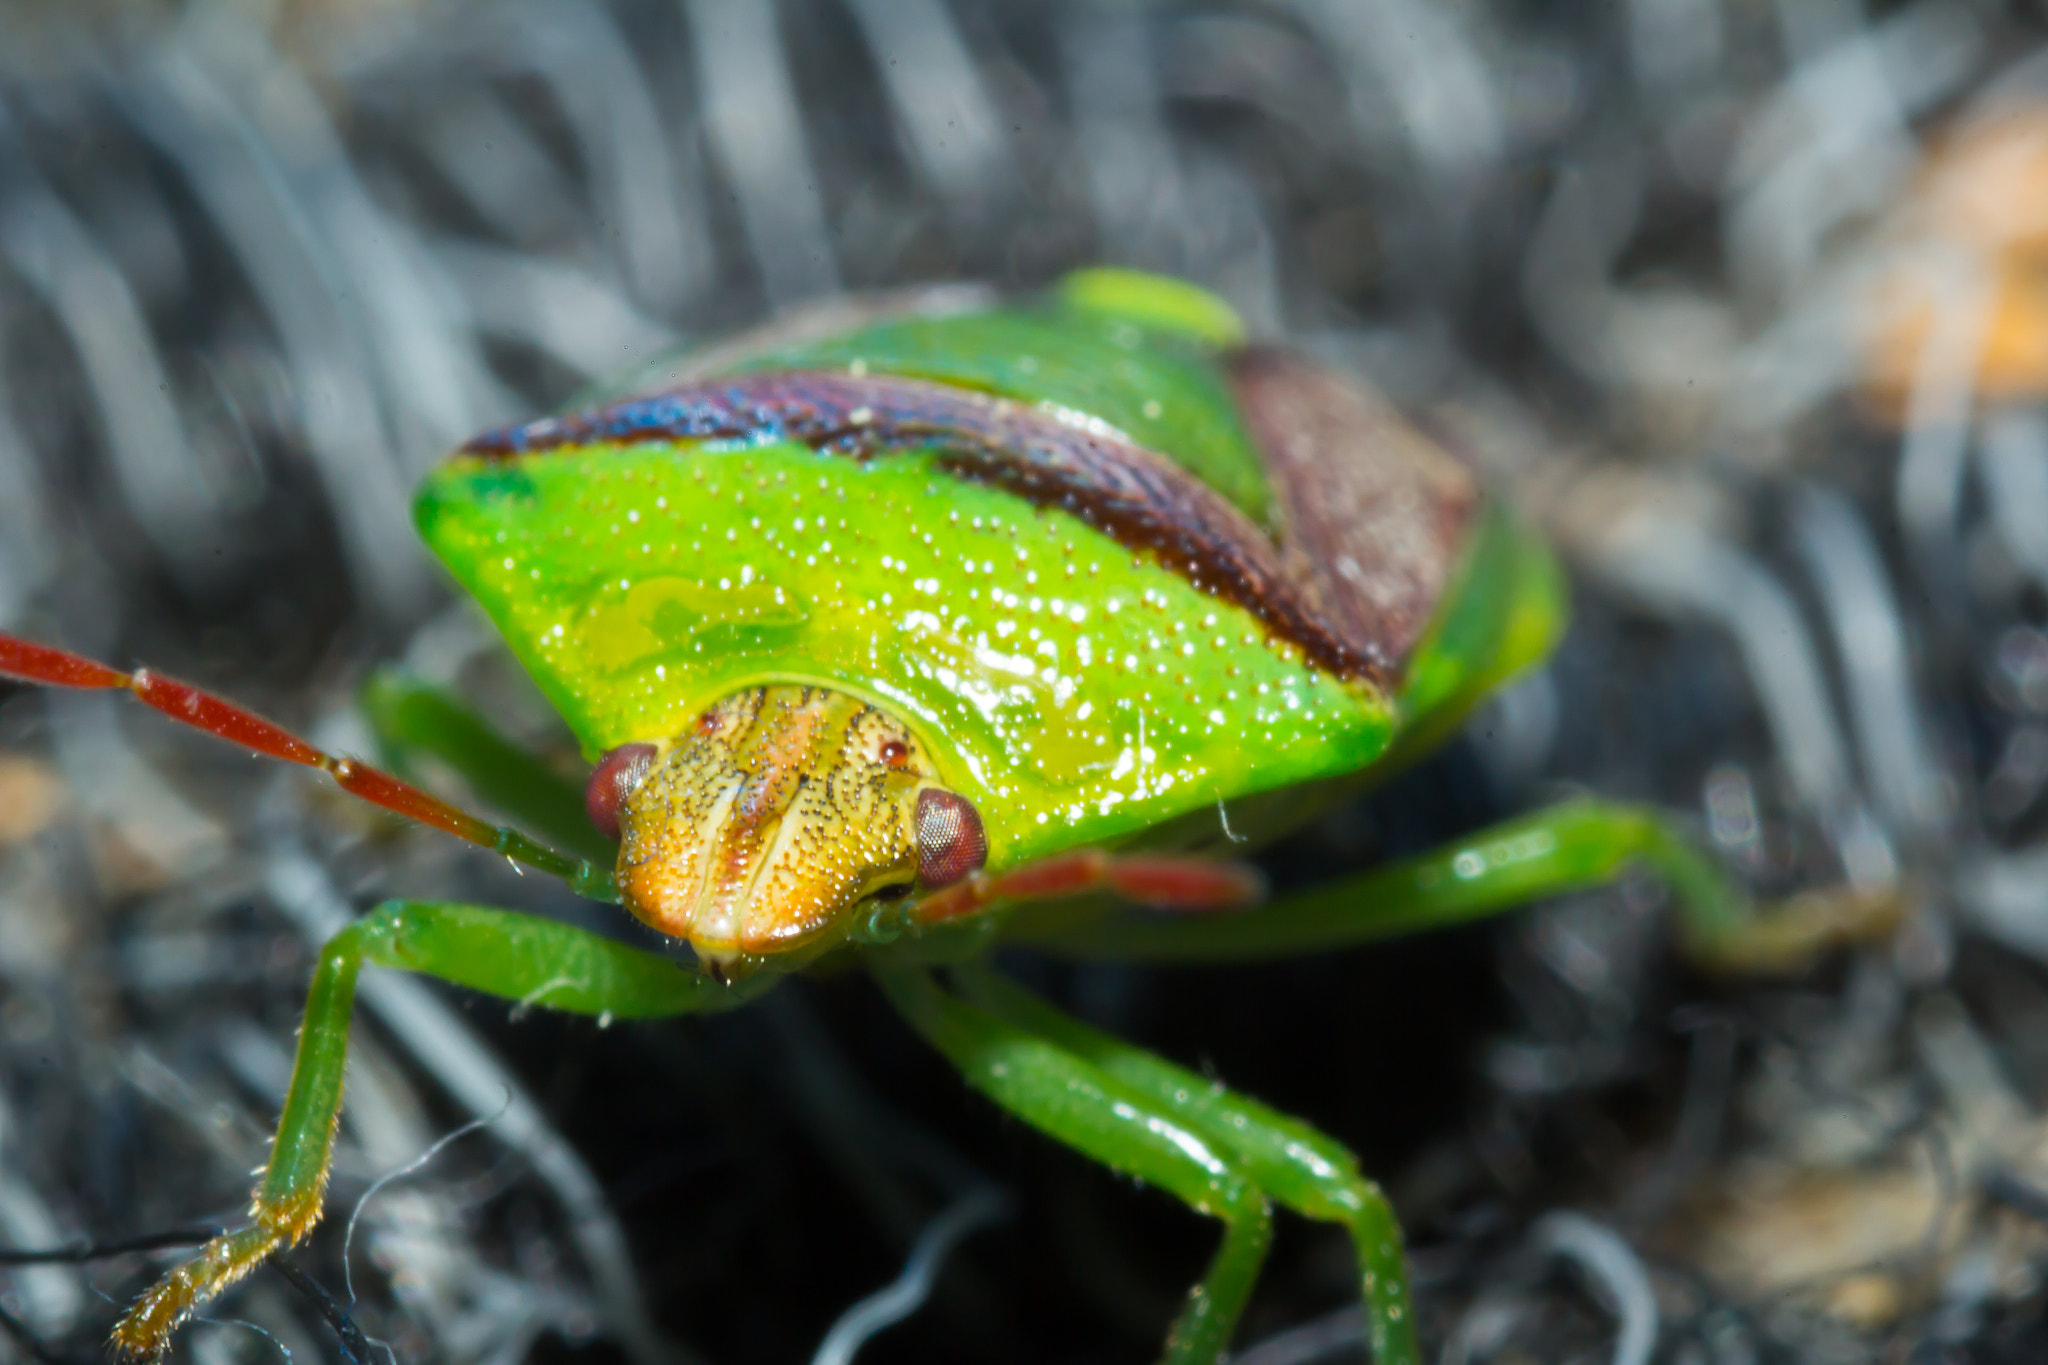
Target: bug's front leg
[413, 719]
[1084, 1106]
[519, 957]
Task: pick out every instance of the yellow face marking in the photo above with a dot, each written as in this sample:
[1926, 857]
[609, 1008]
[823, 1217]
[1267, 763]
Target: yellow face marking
[757, 830]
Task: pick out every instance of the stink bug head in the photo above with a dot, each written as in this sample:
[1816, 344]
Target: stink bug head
[762, 827]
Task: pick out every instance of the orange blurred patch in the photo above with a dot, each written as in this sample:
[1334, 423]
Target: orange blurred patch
[31, 797]
[1977, 219]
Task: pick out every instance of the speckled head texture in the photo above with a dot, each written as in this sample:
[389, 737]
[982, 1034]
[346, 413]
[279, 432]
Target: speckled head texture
[760, 826]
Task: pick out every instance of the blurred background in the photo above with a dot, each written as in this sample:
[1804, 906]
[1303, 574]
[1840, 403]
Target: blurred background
[1746, 302]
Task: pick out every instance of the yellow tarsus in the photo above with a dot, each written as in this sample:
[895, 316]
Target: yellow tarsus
[144, 1333]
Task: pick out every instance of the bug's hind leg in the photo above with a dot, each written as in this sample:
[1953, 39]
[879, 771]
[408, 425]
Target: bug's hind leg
[519, 957]
[1070, 1098]
[1568, 847]
[1301, 1168]
[412, 719]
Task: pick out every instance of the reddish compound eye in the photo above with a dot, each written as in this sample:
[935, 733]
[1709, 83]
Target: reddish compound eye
[951, 843]
[615, 776]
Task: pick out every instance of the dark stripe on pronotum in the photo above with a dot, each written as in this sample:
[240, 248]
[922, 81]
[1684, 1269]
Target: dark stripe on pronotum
[1137, 497]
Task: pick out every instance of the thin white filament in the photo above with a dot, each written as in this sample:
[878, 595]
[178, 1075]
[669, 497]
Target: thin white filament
[1617, 1274]
[376, 1187]
[890, 1305]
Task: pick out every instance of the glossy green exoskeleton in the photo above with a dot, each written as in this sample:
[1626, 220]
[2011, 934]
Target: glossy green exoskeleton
[902, 631]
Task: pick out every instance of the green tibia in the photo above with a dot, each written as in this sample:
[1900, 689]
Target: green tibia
[1565, 848]
[1077, 694]
[521, 958]
[1086, 1107]
[1293, 1163]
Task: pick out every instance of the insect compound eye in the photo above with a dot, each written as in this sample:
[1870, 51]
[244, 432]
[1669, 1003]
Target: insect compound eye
[615, 776]
[951, 843]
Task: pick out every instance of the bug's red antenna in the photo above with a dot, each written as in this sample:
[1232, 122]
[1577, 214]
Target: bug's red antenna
[34, 663]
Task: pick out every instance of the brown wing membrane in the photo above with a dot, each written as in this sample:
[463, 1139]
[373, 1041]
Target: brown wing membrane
[1373, 513]
[1140, 498]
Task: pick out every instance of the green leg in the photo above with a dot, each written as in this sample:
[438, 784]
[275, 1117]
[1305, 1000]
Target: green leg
[533, 961]
[1569, 847]
[1293, 1163]
[410, 718]
[1118, 1124]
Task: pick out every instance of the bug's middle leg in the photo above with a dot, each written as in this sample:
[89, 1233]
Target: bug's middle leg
[1305, 1170]
[1569, 847]
[412, 719]
[518, 957]
[1069, 1098]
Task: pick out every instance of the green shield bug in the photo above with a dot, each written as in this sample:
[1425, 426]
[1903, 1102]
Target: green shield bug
[900, 633]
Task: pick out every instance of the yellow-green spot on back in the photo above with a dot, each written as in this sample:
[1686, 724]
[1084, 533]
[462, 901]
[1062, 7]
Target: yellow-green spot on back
[1154, 301]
